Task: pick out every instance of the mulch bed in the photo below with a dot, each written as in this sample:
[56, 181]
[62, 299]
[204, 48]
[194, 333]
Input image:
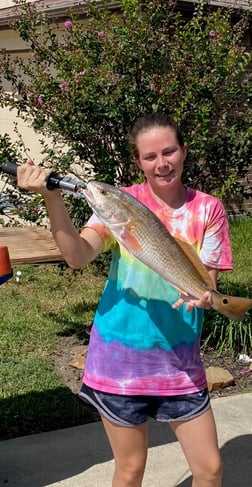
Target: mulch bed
[72, 377]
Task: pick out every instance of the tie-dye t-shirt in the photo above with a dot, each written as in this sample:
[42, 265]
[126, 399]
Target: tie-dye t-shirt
[139, 344]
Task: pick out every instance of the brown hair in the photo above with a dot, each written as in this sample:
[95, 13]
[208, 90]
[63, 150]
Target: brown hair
[149, 121]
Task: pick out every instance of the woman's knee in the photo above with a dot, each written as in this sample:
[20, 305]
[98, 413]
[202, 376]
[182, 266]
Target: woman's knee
[210, 472]
[131, 471]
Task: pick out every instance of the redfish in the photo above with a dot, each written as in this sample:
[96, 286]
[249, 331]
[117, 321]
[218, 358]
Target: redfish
[146, 238]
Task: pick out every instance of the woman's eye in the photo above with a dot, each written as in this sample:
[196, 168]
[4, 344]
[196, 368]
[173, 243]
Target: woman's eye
[150, 158]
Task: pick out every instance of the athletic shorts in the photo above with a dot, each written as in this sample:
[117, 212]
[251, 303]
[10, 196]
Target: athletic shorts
[134, 410]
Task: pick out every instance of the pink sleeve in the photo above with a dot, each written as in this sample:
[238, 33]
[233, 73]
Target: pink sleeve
[216, 250]
[96, 224]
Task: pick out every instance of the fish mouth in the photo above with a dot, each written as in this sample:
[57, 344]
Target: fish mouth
[88, 195]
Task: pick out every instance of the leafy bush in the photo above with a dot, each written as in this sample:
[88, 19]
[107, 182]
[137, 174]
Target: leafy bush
[219, 332]
[87, 82]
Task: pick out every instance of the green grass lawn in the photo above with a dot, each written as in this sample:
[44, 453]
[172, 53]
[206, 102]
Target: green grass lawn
[241, 237]
[47, 304]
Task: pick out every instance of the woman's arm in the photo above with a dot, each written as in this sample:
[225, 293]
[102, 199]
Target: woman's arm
[77, 249]
[213, 274]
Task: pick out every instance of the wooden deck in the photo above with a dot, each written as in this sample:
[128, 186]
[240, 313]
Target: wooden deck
[30, 245]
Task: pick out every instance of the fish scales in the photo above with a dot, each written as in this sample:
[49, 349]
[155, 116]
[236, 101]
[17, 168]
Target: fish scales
[173, 266]
[145, 237]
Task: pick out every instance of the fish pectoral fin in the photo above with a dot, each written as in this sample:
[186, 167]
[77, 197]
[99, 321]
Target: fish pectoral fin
[192, 255]
[181, 291]
[129, 240]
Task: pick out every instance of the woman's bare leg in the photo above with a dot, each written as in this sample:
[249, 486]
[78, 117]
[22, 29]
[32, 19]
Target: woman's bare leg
[198, 439]
[129, 446]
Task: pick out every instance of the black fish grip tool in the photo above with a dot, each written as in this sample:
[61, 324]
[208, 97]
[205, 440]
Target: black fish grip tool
[54, 181]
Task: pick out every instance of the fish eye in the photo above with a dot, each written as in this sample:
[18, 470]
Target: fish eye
[225, 301]
[103, 191]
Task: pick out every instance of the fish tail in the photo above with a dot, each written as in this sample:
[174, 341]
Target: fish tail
[231, 306]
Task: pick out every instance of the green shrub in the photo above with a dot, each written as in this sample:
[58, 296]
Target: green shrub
[86, 83]
[219, 332]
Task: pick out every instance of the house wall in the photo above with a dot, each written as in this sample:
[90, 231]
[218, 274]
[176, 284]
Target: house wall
[9, 122]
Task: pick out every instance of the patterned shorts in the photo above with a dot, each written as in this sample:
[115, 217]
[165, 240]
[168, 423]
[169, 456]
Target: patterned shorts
[135, 410]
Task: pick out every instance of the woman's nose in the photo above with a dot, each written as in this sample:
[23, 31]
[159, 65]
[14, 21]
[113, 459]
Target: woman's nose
[162, 161]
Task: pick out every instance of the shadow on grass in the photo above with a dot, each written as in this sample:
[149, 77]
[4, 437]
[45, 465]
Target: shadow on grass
[37, 412]
[73, 326]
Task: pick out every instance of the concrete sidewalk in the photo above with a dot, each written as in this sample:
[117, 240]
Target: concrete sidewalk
[81, 456]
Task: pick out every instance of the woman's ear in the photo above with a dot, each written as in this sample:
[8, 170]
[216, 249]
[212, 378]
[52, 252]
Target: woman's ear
[185, 150]
[138, 164]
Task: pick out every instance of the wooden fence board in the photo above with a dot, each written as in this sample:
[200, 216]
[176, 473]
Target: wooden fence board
[30, 245]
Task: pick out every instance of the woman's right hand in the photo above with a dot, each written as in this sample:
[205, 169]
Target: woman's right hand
[32, 178]
[77, 250]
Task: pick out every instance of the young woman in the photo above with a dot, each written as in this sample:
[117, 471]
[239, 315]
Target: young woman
[144, 352]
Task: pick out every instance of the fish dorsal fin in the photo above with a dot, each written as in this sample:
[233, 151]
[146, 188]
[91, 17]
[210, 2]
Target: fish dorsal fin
[195, 260]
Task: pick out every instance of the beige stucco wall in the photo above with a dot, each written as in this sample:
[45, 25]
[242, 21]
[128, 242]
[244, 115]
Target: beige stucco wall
[7, 3]
[10, 41]
[31, 139]
[10, 3]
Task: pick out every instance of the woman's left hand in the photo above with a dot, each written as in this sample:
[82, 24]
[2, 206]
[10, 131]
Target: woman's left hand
[205, 301]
